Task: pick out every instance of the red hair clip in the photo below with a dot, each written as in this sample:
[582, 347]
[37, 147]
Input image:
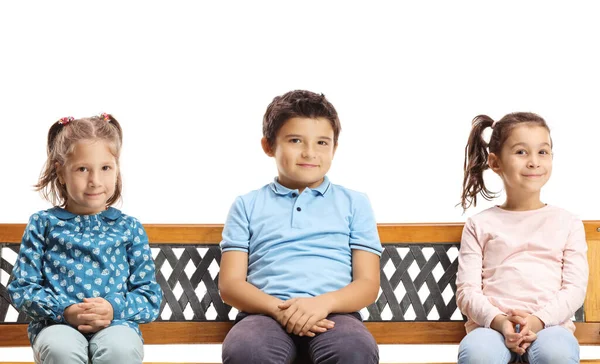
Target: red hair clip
[105, 116]
[65, 120]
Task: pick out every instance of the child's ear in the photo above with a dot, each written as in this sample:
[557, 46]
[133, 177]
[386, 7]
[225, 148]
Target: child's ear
[266, 147]
[494, 162]
[59, 173]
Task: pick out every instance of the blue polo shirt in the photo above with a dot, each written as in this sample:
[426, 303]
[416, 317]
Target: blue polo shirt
[300, 244]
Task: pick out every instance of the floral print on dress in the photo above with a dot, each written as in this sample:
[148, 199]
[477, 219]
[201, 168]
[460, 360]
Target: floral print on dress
[65, 258]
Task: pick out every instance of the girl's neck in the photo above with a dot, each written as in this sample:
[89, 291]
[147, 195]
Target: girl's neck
[522, 202]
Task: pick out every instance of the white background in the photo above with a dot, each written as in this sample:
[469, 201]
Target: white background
[190, 81]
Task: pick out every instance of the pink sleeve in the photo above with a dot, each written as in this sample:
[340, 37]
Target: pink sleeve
[469, 295]
[575, 273]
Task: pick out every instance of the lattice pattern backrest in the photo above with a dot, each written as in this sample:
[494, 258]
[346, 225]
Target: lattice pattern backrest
[417, 284]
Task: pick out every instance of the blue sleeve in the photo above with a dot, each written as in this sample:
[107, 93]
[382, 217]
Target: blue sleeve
[27, 291]
[363, 227]
[141, 302]
[236, 233]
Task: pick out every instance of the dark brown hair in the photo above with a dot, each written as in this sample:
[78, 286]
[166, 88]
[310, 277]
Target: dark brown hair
[62, 137]
[298, 103]
[477, 151]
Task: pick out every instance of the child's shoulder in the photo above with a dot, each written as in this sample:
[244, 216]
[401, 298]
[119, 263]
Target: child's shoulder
[354, 194]
[327, 188]
[548, 214]
[57, 214]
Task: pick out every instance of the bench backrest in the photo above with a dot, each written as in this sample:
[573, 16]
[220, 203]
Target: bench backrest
[416, 303]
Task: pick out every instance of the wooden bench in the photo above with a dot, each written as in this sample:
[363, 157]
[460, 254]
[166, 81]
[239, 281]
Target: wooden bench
[416, 304]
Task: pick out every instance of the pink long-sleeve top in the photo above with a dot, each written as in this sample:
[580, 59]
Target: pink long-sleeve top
[534, 260]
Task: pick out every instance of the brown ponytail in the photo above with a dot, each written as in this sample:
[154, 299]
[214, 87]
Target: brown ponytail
[476, 161]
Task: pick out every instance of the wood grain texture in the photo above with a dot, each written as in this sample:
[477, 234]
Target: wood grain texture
[211, 233]
[591, 306]
[160, 333]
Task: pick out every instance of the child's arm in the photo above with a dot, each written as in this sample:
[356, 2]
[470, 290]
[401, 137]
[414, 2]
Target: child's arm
[237, 292]
[233, 287]
[141, 302]
[469, 295]
[27, 290]
[300, 314]
[575, 273]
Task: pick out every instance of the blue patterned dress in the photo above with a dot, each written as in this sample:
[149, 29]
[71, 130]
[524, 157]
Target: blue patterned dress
[66, 257]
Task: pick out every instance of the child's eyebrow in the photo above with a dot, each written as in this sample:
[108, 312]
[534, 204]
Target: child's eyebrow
[526, 145]
[302, 136]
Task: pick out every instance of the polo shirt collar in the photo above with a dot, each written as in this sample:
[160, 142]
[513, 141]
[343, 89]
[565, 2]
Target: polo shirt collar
[281, 190]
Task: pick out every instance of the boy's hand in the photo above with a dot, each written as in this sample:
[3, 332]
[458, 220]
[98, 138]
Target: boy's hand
[97, 314]
[300, 315]
[318, 328]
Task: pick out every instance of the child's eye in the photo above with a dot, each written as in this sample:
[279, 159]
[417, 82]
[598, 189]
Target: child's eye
[295, 140]
[322, 142]
[106, 168]
[521, 152]
[544, 151]
[82, 169]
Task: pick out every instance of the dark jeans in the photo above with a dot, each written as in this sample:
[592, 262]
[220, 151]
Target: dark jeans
[259, 339]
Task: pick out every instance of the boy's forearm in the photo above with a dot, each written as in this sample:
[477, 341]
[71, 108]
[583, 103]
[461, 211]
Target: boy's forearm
[352, 298]
[249, 299]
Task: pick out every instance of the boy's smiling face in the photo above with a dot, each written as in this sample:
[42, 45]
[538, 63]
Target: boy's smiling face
[303, 151]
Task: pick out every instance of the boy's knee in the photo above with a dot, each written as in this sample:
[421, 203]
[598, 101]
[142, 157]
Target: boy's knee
[352, 344]
[248, 351]
[361, 349]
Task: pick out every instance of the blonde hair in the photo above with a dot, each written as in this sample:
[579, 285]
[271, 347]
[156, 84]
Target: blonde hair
[62, 137]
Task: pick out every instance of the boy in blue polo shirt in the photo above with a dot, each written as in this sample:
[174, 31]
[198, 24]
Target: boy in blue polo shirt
[300, 255]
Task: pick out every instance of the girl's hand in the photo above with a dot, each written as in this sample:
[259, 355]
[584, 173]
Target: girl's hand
[530, 325]
[71, 315]
[300, 315]
[528, 340]
[97, 314]
[506, 327]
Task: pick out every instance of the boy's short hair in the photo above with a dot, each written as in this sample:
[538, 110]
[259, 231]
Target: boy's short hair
[298, 103]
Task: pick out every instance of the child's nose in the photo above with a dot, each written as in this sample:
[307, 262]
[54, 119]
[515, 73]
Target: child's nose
[308, 152]
[94, 179]
[533, 162]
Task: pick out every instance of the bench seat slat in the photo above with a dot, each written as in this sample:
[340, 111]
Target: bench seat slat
[588, 333]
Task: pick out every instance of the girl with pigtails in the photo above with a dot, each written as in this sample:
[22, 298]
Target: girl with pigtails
[84, 273]
[523, 267]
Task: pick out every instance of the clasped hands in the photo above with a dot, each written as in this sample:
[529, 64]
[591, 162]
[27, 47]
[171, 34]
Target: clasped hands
[304, 316]
[529, 325]
[90, 316]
